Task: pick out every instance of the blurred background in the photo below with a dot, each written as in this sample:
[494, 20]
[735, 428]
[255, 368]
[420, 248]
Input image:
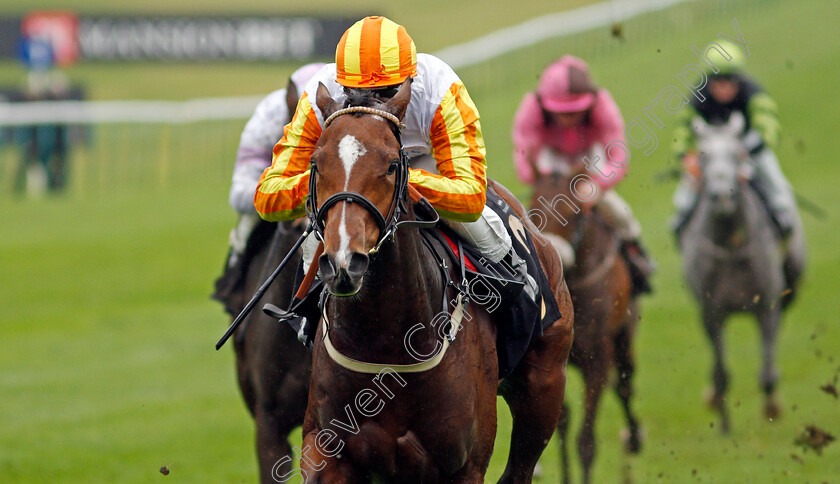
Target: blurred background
[114, 224]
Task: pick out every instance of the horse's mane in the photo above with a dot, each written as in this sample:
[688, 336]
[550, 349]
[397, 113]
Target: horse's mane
[368, 98]
[362, 97]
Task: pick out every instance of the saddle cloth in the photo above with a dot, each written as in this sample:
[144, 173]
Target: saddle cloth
[522, 312]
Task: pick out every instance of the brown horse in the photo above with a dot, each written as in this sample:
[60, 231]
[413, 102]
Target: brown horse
[605, 313]
[272, 366]
[433, 419]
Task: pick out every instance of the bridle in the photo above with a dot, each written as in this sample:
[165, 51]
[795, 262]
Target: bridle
[387, 224]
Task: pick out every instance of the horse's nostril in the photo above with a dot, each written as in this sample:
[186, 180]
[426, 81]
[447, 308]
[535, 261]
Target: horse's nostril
[326, 265]
[358, 265]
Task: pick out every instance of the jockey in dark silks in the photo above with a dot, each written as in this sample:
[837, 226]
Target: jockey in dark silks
[728, 91]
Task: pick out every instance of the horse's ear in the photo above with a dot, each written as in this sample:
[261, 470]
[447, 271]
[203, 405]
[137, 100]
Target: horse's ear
[325, 101]
[736, 123]
[699, 126]
[399, 103]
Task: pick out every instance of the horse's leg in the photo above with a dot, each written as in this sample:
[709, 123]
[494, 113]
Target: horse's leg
[317, 468]
[469, 475]
[281, 397]
[713, 323]
[534, 393]
[273, 449]
[624, 386]
[769, 320]
[563, 433]
[595, 378]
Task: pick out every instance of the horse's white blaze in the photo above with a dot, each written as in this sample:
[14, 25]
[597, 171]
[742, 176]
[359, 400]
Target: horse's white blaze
[349, 150]
[342, 258]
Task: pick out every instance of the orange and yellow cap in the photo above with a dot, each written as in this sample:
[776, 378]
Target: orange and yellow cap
[375, 52]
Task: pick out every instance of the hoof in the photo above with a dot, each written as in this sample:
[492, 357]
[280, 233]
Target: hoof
[632, 442]
[724, 425]
[713, 402]
[538, 471]
[772, 409]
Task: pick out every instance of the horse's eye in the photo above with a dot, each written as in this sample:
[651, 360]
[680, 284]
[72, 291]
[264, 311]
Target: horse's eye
[392, 168]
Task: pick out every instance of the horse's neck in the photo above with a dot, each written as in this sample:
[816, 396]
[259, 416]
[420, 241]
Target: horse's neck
[596, 244]
[401, 290]
[731, 232]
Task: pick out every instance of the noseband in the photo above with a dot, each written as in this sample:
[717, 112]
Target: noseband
[389, 223]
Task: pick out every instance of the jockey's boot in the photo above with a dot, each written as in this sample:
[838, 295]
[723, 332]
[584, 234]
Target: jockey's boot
[783, 225]
[303, 315]
[678, 223]
[640, 264]
[520, 273]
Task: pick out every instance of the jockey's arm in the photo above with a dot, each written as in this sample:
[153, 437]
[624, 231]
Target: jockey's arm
[684, 136]
[459, 190]
[763, 116]
[684, 146]
[255, 149]
[284, 186]
[608, 125]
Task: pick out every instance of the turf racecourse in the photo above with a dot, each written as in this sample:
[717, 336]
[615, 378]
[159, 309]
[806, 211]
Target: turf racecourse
[108, 368]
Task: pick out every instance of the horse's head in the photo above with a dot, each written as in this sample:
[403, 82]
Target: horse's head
[557, 196]
[722, 156]
[359, 175]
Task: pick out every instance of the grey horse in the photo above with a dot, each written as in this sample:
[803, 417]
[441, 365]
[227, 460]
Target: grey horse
[733, 260]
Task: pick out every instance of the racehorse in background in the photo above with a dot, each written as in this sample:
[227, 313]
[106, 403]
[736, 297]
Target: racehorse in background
[605, 311]
[375, 410]
[733, 261]
[272, 366]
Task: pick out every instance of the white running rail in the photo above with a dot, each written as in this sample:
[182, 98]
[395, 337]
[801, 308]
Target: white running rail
[466, 54]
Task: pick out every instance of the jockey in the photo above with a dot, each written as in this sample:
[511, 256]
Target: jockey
[442, 138]
[565, 125]
[729, 90]
[254, 155]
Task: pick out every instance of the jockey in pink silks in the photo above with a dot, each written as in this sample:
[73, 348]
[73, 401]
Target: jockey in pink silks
[566, 124]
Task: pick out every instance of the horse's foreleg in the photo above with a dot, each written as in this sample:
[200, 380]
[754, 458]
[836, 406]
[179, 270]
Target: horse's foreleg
[534, 393]
[595, 378]
[273, 450]
[624, 387]
[320, 467]
[713, 324]
[563, 433]
[768, 378]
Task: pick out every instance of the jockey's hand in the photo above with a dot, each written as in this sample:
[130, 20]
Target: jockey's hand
[691, 164]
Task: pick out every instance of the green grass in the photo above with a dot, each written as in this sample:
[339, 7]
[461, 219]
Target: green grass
[108, 367]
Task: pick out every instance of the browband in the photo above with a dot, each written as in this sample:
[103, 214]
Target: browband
[367, 110]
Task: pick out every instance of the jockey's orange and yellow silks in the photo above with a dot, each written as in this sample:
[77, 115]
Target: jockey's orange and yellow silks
[375, 52]
[441, 121]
